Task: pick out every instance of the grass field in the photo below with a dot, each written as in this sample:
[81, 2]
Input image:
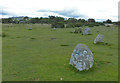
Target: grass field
[42, 54]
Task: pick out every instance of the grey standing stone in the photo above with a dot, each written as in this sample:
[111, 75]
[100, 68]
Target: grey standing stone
[82, 57]
[30, 28]
[73, 31]
[87, 31]
[98, 39]
[54, 28]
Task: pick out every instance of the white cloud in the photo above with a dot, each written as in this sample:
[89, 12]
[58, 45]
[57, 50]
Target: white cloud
[98, 9]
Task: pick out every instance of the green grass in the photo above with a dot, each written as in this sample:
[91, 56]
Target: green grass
[42, 54]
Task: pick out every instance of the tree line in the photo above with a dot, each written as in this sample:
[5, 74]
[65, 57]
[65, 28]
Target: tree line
[55, 21]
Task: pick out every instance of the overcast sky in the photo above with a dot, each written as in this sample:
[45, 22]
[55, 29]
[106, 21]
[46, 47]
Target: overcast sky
[100, 10]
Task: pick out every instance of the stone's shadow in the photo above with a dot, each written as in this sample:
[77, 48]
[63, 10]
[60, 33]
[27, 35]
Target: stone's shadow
[80, 33]
[72, 68]
[99, 43]
[90, 34]
[87, 34]
[102, 43]
[75, 33]
[64, 45]
[108, 44]
[95, 67]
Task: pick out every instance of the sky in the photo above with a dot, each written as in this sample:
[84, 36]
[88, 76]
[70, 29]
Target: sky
[100, 10]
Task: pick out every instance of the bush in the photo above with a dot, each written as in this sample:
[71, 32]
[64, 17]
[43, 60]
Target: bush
[70, 25]
[91, 25]
[57, 25]
[86, 24]
[78, 25]
[108, 26]
[101, 24]
[96, 24]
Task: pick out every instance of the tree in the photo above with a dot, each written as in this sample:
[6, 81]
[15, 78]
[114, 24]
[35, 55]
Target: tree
[108, 21]
[83, 20]
[91, 20]
[72, 20]
[26, 18]
[34, 20]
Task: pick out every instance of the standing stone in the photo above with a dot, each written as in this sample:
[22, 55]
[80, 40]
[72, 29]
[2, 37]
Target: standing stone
[87, 31]
[54, 28]
[73, 31]
[30, 28]
[82, 57]
[98, 39]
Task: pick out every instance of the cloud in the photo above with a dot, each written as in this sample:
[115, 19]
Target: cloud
[100, 20]
[71, 13]
[3, 13]
[6, 13]
[44, 10]
[65, 13]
